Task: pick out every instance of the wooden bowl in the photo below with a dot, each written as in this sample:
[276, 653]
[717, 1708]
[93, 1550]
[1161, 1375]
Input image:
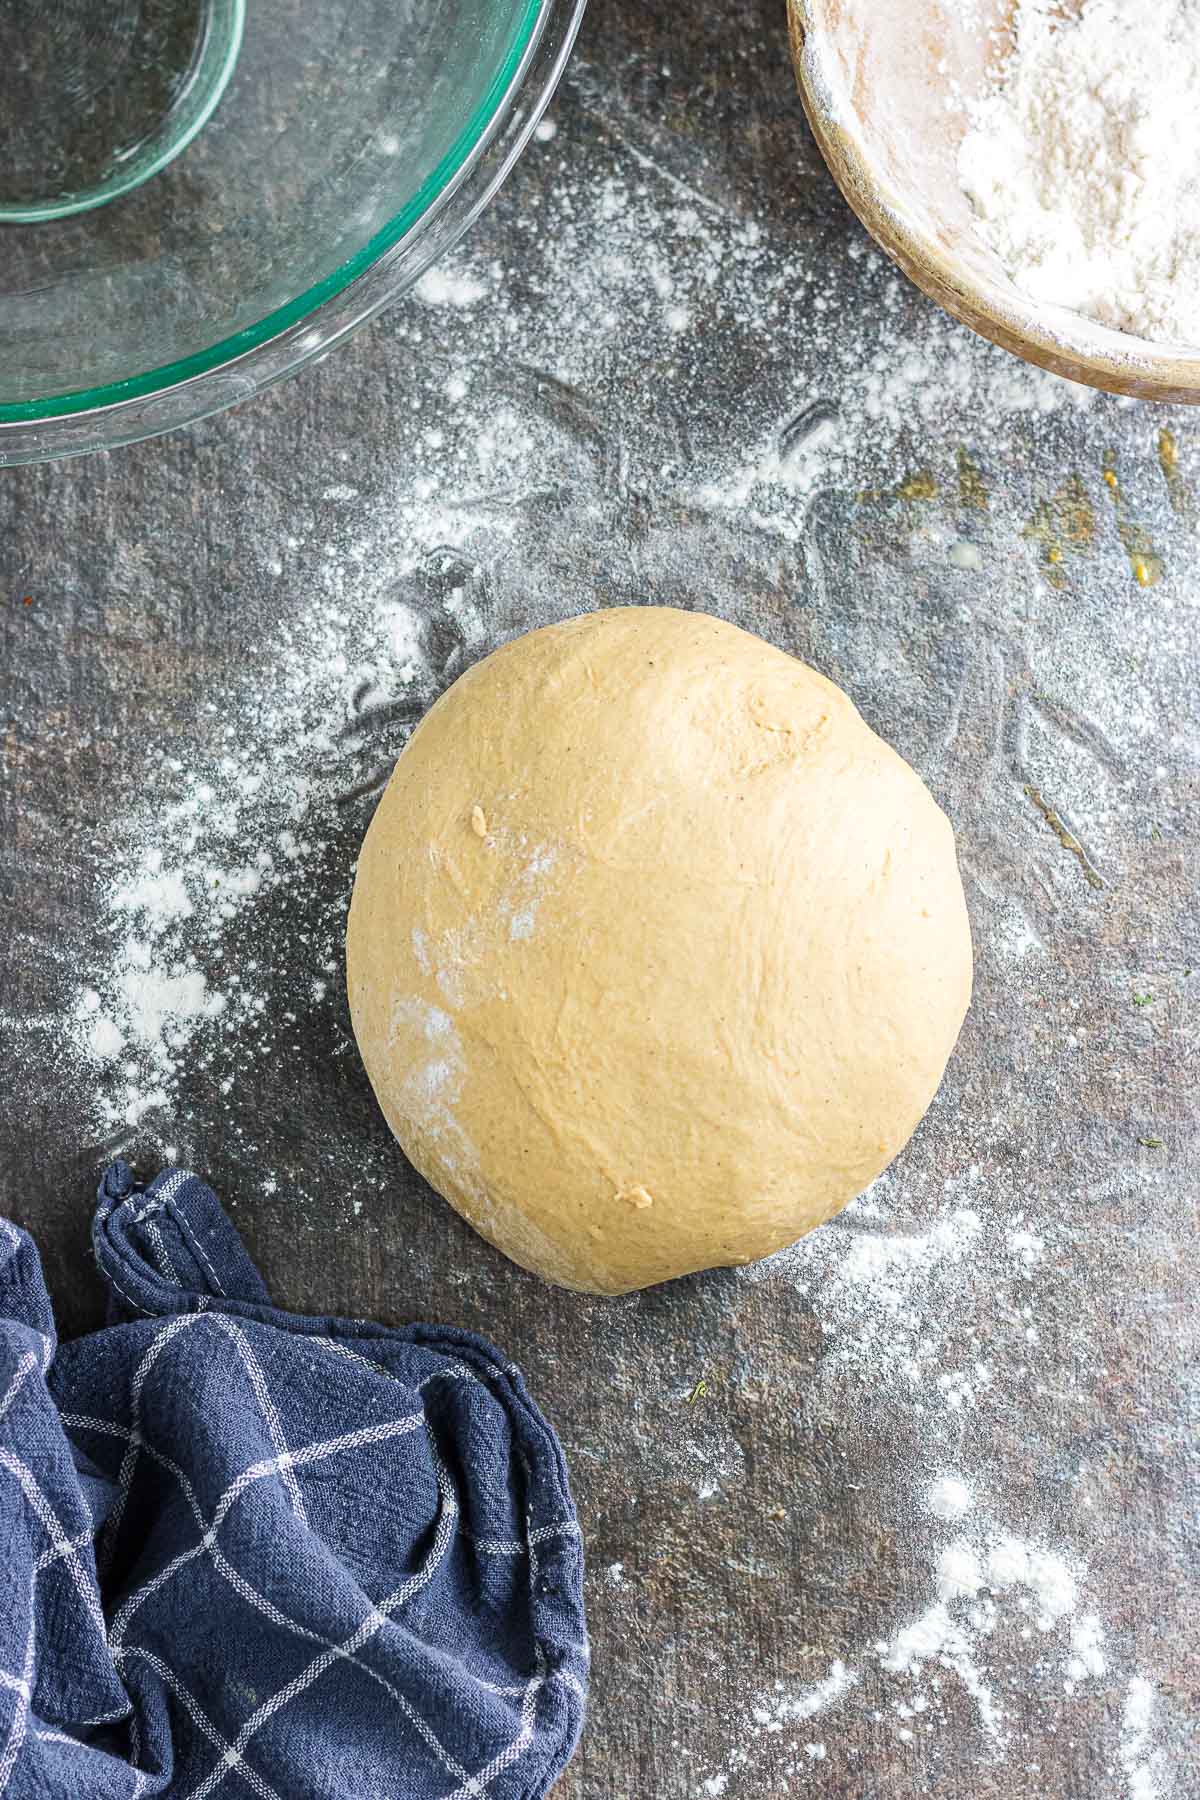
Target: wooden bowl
[875, 77]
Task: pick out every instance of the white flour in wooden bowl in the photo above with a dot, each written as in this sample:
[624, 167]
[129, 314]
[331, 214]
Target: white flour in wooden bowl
[1083, 163]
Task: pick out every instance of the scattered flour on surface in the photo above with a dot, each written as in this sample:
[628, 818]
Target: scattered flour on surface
[884, 1298]
[949, 1498]
[1139, 1763]
[773, 1714]
[973, 1582]
[1000, 1607]
[782, 1708]
[180, 904]
[444, 287]
[1087, 1661]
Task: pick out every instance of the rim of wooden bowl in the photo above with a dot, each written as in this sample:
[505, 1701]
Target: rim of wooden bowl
[1145, 371]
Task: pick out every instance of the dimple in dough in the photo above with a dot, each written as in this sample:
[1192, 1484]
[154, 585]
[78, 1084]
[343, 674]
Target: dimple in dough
[656, 952]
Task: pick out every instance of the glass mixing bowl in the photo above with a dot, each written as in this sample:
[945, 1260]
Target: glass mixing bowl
[198, 196]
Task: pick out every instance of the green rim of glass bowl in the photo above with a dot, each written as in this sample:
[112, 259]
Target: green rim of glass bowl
[140, 387]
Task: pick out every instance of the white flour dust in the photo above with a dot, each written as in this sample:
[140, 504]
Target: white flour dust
[1084, 164]
[179, 898]
[949, 1498]
[890, 1301]
[1009, 1614]
[196, 868]
[1006, 1616]
[442, 287]
[974, 1578]
[773, 1717]
[1139, 1763]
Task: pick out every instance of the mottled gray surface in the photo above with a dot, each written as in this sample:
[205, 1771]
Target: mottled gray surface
[760, 1528]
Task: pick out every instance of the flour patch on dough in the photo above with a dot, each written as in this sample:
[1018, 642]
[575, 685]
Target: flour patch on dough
[520, 925]
[432, 1086]
[461, 959]
[520, 906]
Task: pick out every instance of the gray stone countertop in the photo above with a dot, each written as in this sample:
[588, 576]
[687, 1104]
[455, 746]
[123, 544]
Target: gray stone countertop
[913, 1508]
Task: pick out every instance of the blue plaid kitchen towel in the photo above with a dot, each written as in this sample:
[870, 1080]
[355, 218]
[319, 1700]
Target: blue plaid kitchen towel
[246, 1553]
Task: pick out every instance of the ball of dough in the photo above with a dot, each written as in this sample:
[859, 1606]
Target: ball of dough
[656, 952]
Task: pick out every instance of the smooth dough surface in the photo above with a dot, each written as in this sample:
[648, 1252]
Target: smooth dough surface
[656, 952]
